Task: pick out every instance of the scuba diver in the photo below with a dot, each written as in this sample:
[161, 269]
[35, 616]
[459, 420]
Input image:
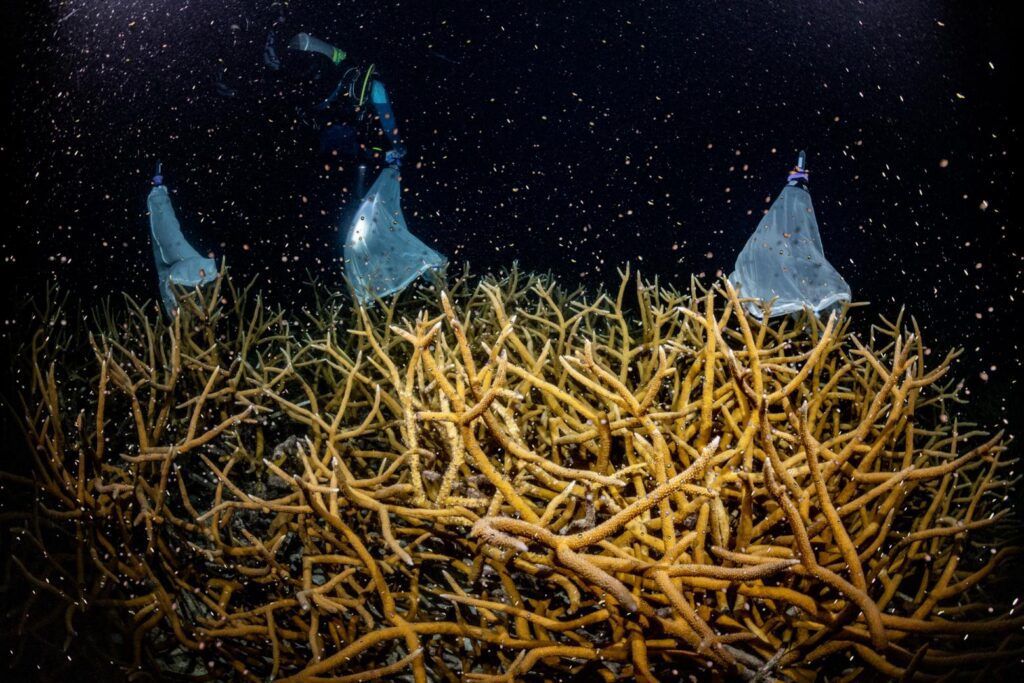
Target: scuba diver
[177, 262]
[348, 105]
[381, 256]
[340, 101]
[357, 89]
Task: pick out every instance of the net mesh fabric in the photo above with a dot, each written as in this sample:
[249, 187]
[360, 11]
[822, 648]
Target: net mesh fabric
[783, 262]
[381, 255]
[177, 262]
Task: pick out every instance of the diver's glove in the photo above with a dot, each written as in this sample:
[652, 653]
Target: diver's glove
[394, 156]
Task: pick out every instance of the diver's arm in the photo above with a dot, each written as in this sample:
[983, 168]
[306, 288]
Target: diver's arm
[308, 43]
[382, 105]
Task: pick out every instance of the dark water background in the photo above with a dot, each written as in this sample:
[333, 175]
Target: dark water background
[572, 136]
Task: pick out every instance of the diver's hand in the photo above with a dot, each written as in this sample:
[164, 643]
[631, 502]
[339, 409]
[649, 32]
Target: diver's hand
[394, 156]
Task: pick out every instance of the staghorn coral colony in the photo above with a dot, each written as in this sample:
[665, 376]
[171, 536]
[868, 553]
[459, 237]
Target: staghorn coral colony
[510, 482]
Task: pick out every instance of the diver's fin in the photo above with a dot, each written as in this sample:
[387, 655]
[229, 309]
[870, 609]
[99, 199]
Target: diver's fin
[270, 57]
[222, 88]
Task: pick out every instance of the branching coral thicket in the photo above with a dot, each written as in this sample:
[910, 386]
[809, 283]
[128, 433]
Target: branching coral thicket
[508, 481]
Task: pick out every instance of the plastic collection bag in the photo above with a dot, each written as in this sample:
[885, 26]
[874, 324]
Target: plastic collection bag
[381, 255]
[177, 262]
[783, 263]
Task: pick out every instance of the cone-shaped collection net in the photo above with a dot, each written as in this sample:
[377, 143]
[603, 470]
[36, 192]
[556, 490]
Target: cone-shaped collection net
[784, 260]
[176, 261]
[381, 255]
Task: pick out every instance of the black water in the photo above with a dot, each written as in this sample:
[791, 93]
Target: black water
[573, 136]
[568, 135]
